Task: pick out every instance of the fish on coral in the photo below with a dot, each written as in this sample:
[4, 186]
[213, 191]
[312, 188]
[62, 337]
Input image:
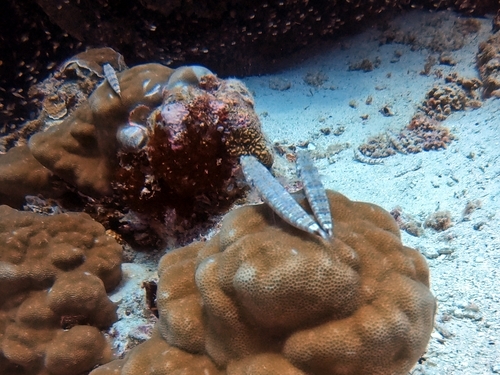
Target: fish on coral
[283, 204]
[315, 191]
[260, 299]
[110, 75]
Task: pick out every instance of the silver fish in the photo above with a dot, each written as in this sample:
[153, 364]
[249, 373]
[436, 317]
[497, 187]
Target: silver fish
[315, 191]
[110, 75]
[275, 195]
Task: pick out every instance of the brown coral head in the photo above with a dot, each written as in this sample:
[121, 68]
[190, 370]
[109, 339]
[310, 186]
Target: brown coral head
[358, 304]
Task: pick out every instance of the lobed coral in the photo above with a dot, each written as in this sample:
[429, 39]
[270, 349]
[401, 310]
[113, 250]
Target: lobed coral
[55, 272]
[82, 149]
[22, 175]
[262, 297]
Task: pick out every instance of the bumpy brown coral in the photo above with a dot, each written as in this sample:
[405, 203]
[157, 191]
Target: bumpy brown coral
[82, 149]
[54, 275]
[262, 297]
[21, 175]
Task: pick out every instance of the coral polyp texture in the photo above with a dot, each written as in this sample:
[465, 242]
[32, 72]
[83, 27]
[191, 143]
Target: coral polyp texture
[148, 141]
[262, 297]
[55, 272]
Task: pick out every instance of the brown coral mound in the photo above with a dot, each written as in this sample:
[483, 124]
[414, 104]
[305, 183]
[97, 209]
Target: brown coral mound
[21, 175]
[262, 297]
[82, 149]
[54, 275]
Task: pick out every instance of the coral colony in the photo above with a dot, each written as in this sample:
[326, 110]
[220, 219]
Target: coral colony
[270, 296]
[151, 147]
[285, 287]
[104, 155]
[55, 272]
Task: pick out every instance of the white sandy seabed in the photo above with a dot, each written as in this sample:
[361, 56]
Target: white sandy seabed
[463, 259]
[465, 278]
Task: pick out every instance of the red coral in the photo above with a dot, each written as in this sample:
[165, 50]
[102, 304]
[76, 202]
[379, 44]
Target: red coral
[188, 170]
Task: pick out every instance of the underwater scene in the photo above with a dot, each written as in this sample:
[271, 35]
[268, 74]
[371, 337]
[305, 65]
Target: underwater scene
[313, 189]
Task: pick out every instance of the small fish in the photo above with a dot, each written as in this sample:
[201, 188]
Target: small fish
[315, 191]
[110, 75]
[275, 195]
